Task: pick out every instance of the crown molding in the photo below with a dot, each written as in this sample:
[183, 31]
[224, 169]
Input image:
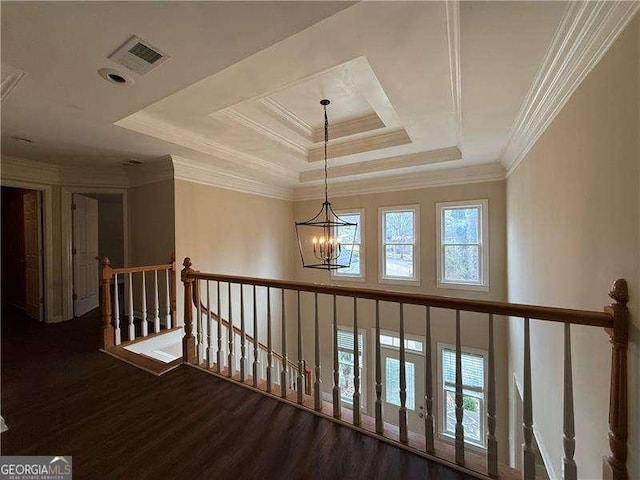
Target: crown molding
[286, 116]
[299, 150]
[193, 171]
[586, 32]
[351, 147]
[488, 172]
[392, 163]
[11, 76]
[24, 170]
[143, 123]
[453, 42]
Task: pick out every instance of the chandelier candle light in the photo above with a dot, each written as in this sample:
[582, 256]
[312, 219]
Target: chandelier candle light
[322, 238]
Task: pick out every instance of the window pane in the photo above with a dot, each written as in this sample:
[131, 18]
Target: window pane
[346, 234]
[343, 259]
[461, 225]
[345, 340]
[471, 418]
[472, 368]
[462, 263]
[398, 261]
[393, 383]
[398, 227]
[386, 340]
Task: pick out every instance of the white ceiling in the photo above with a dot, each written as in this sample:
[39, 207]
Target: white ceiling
[416, 87]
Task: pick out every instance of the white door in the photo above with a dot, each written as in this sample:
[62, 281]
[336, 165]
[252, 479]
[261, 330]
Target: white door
[85, 255]
[414, 368]
[33, 255]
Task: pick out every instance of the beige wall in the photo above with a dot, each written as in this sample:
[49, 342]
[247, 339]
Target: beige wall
[151, 213]
[474, 327]
[573, 221]
[229, 232]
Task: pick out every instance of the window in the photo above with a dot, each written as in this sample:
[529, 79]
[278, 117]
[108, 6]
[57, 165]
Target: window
[349, 243]
[463, 260]
[473, 393]
[346, 364]
[399, 239]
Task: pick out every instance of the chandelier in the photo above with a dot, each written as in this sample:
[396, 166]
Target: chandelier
[326, 241]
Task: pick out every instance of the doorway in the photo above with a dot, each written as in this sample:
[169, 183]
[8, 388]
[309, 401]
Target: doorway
[415, 378]
[22, 251]
[97, 232]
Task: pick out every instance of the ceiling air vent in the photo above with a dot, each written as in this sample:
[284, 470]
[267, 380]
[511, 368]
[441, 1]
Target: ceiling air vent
[139, 56]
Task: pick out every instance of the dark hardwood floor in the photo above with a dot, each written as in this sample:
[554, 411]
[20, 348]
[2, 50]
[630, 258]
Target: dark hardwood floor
[60, 396]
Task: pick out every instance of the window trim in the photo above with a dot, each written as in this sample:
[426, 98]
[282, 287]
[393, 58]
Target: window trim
[483, 285]
[363, 367]
[362, 277]
[440, 412]
[382, 278]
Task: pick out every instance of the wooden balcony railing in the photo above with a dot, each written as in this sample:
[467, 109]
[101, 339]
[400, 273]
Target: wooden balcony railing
[614, 319]
[163, 300]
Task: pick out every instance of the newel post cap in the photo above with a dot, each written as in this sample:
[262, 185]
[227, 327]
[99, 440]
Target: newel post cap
[186, 270]
[620, 291]
[105, 262]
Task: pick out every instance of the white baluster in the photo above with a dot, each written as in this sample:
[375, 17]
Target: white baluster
[492, 442]
[116, 309]
[459, 397]
[269, 344]
[300, 379]
[337, 402]
[570, 470]
[256, 344]
[132, 328]
[356, 366]
[230, 338]
[219, 314]
[529, 460]
[145, 326]
[243, 338]
[209, 328]
[317, 399]
[167, 290]
[283, 373]
[428, 387]
[156, 303]
[402, 413]
[379, 420]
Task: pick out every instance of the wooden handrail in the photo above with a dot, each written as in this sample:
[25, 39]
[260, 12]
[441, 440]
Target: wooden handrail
[553, 314]
[144, 268]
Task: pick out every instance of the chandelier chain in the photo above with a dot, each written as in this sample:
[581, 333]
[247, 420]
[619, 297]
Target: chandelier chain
[326, 141]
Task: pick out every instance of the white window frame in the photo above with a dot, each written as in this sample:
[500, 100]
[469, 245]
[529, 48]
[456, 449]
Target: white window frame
[363, 367]
[396, 335]
[440, 414]
[362, 277]
[483, 284]
[382, 278]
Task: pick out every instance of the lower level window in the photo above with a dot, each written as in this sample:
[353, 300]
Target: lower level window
[473, 394]
[346, 364]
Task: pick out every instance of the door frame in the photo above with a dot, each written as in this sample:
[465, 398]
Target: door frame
[67, 237]
[46, 276]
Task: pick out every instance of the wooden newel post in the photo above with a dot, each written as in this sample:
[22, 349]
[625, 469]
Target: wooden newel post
[107, 340]
[189, 341]
[173, 289]
[615, 465]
